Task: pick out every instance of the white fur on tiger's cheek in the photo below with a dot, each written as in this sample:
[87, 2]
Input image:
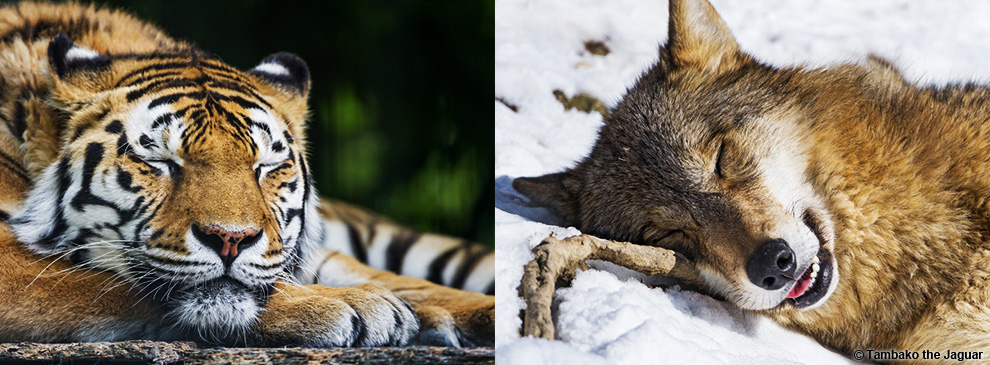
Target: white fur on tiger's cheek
[36, 218]
[107, 256]
[110, 190]
[272, 69]
[80, 53]
[91, 215]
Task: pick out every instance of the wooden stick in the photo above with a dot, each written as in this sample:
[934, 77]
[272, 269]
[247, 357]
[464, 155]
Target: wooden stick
[554, 258]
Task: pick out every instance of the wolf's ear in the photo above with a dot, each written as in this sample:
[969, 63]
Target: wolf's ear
[557, 192]
[698, 38]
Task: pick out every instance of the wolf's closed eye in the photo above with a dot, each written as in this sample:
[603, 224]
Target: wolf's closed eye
[719, 172]
[669, 235]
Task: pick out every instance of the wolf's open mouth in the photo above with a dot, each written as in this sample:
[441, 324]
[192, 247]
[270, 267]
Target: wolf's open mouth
[812, 286]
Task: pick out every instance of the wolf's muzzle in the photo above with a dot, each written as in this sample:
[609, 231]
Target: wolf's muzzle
[772, 265]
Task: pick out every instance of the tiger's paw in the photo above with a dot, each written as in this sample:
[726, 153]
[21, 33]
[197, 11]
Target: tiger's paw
[317, 316]
[468, 323]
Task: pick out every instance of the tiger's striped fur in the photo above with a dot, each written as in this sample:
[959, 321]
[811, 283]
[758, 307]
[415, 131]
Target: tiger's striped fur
[385, 245]
[150, 191]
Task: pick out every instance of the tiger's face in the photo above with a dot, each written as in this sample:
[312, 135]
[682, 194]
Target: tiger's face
[185, 177]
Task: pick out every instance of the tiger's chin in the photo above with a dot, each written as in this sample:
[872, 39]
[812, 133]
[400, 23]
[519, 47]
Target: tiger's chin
[219, 311]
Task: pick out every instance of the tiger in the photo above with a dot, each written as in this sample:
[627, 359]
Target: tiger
[150, 191]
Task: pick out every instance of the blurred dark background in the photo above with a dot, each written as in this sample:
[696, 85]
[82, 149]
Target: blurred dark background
[401, 100]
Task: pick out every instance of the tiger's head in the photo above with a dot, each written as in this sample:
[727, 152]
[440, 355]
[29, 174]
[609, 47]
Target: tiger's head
[183, 176]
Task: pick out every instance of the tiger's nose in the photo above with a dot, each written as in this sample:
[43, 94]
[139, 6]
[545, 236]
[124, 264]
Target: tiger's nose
[226, 243]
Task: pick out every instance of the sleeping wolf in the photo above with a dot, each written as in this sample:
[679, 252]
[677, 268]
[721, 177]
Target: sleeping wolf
[844, 202]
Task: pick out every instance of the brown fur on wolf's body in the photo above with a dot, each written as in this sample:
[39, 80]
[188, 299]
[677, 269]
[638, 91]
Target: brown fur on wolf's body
[50, 114]
[898, 179]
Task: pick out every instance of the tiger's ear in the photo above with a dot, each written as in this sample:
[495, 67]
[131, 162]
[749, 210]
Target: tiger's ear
[557, 192]
[284, 70]
[66, 59]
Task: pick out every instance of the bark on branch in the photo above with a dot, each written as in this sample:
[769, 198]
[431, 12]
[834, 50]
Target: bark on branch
[556, 259]
[152, 352]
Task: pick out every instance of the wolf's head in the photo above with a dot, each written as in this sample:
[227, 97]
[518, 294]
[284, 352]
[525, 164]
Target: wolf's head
[705, 156]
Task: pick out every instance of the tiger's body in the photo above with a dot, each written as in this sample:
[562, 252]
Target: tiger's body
[384, 245]
[149, 191]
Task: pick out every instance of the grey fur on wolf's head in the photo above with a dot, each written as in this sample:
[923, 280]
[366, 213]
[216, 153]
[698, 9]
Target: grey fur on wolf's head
[647, 154]
[681, 161]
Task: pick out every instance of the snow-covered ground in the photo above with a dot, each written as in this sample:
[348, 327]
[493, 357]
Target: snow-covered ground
[609, 315]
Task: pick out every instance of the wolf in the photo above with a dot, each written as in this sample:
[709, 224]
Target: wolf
[844, 202]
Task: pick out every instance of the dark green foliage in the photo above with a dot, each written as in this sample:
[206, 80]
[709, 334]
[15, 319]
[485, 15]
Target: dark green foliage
[401, 96]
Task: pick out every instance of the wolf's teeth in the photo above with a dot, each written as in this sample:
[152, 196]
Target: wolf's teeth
[815, 268]
[815, 260]
[814, 274]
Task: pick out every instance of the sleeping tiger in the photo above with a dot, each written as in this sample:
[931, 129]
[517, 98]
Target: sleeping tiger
[150, 191]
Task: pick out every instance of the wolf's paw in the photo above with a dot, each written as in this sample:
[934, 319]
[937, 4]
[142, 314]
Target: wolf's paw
[318, 316]
[469, 323]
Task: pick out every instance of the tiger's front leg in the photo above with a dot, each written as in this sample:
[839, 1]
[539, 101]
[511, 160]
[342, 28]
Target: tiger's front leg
[447, 316]
[320, 316]
[51, 300]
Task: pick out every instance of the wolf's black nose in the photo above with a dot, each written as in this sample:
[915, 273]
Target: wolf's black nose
[772, 265]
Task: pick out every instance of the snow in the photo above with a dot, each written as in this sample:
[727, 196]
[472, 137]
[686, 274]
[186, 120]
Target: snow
[609, 315]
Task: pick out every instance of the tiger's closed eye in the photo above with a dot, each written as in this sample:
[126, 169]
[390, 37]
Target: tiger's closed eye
[172, 167]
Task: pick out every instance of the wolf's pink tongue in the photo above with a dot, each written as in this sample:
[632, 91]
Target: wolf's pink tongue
[801, 286]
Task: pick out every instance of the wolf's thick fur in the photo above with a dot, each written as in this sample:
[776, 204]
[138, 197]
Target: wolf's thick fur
[712, 154]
